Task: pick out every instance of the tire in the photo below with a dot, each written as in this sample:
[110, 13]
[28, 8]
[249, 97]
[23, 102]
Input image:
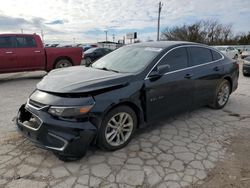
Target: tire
[115, 131]
[63, 63]
[221, 95]
[65, 158]
[88, 62]
[245, 74]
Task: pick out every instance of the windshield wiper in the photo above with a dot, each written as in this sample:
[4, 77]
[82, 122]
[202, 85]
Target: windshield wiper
[106, 69]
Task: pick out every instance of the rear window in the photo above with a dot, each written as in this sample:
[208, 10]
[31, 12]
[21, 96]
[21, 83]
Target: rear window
[25, 42]
[216, 55]
[200, 55]
[5, 42]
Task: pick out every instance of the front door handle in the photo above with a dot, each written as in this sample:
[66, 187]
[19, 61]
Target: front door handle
[37, 51]
[188, 76]
[9, 52]
[216, 69]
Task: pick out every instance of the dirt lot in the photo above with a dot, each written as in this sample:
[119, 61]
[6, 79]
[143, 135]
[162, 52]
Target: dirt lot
[203, 148]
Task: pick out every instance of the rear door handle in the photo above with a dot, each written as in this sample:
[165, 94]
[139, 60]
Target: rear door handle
[216, 68]
[188, 76]
[37, 51]
[9, 52]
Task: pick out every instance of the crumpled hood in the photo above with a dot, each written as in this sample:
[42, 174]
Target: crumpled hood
[80, 79]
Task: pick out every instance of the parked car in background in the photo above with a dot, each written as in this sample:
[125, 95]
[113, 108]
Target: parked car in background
[245, 53]
[23, 52]
[246, 66]
[85, 47]
[229, 51]
[93, 54]
[51, 45]
[122, 91]
[65, 46]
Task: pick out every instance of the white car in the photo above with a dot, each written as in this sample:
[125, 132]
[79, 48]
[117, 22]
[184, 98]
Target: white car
[229, 51]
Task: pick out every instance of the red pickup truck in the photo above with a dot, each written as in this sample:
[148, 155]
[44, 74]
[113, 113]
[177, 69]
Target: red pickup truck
[25, 52]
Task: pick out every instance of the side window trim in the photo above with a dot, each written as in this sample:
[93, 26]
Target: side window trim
[189, 58]
[214, 51]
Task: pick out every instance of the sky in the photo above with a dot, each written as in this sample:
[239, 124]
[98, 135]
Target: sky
[84, 21]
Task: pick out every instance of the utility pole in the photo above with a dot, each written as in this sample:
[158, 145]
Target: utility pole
[106, 32]
[22, 31]
[113, 37]
[42, 35]
[159, 18]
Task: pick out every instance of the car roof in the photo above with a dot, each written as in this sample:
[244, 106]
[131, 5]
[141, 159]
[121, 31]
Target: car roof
[164, 44]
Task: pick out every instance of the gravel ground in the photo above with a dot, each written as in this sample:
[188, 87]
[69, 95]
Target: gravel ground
[190, 149]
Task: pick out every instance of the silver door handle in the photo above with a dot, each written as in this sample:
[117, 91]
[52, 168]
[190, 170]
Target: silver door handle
[37, 51]
[9, 52]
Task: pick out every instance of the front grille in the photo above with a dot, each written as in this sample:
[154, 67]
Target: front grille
[36, 104]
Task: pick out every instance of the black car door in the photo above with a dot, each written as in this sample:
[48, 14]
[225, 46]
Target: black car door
[172, 92]
[207, 69]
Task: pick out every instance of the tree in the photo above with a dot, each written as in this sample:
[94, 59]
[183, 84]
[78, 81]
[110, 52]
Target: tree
[210, 32]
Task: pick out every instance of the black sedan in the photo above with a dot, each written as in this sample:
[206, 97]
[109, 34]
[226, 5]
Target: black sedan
[93, 54]
[246, 66]
[74, 107]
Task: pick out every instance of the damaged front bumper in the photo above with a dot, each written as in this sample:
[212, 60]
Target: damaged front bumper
[63, 137]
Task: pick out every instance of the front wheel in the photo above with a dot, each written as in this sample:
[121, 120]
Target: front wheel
[221, 95]
[117, 128]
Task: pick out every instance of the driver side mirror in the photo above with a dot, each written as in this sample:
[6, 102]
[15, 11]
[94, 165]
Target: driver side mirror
[160, 71]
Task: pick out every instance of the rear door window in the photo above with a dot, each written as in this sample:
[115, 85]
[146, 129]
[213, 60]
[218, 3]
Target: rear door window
[216, 55]
[200, 55]
[25, 42]
[176, 59]
[6, 42]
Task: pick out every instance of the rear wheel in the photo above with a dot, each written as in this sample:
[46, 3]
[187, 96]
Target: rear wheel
[63, 63]
[117, 128]
[221, 95]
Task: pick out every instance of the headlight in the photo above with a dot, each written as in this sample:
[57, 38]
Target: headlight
[69, 111]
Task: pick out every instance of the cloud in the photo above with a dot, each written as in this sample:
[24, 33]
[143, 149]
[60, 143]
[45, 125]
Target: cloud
[85, 21]
[55, 22]
[7, 23]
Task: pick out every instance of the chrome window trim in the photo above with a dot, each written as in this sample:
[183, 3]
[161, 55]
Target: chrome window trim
[183, 46]
[59, 138]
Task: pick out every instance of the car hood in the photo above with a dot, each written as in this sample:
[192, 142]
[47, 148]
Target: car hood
[80, 79]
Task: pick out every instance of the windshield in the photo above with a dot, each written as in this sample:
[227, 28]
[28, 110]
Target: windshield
[129, 59]
[90, 50]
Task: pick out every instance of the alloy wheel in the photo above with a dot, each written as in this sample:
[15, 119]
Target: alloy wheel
[223, 94]
[119, 129]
